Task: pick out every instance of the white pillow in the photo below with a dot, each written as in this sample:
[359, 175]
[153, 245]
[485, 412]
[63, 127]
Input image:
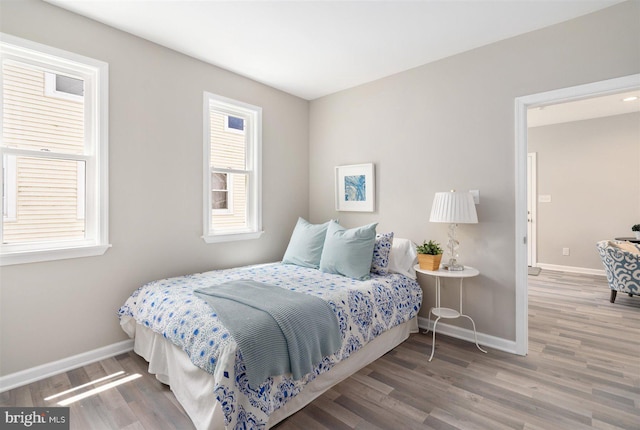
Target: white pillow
[403, 257]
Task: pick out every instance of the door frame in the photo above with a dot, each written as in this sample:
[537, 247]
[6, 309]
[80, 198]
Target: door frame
[532, 209]
[522, 104]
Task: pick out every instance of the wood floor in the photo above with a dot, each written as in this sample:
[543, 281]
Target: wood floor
[582, 371]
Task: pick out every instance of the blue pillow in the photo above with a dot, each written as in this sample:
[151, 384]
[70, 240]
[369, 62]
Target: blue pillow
[348, 252]
[381, 250]
[305, 245]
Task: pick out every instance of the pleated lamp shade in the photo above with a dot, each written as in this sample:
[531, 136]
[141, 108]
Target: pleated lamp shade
[454, 207]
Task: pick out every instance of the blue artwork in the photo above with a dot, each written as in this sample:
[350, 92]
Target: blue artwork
[355, 188]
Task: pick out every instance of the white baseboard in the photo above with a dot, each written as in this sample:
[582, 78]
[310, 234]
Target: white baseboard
[27, 376]
[24, 377]
[467, 334]
[571, 269]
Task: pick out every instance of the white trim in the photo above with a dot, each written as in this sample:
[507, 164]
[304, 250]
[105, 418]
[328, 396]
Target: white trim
[27, 376]
[253, 141]
[572, 269]
[9, 188]
[52, 155]
[95, 74]
[40, 255]
[231, 237]
[467, 334]
[522, 299]
[39, 52]
[610, 86]
[533, 223]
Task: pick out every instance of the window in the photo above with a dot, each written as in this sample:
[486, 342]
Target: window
[232, 181]
[54, 153]
[63, 87]
[234, 124]
[221, 198]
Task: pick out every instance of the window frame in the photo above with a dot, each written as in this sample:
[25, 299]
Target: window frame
[253, 169]
[50, 89]
[95, 74]
[228, 190]
[9, 188]
[232, 129]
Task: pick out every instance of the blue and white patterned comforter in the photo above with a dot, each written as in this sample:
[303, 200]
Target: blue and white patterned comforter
[364, 310]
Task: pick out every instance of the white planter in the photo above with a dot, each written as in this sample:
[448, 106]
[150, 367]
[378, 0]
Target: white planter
[637, 234]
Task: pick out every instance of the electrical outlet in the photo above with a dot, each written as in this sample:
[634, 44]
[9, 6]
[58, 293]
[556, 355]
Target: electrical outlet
[565, 251]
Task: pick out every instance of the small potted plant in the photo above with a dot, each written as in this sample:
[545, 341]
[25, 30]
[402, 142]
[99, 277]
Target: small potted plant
[636, 229]
[429, 255]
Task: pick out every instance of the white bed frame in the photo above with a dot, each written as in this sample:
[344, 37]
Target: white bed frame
[194, 388]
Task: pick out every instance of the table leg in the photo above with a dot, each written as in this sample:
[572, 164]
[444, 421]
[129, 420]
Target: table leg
[433, 342]
[428, 323]
[437, 304]
[475, 334]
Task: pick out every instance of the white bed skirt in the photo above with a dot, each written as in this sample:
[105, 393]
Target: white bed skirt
[193, 387]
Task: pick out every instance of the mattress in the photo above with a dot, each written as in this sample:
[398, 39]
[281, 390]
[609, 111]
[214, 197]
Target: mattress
[188, 347]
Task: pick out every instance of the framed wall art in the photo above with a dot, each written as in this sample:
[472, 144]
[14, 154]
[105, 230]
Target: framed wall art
[355, 188]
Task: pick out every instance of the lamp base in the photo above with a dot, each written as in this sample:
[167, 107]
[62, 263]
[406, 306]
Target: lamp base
[453, 265]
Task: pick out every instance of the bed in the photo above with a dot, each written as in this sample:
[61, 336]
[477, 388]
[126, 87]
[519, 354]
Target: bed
[190, 349]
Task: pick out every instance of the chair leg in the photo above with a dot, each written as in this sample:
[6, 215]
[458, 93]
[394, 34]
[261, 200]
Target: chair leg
[612, 299]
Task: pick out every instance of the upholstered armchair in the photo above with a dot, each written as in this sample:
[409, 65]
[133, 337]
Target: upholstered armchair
[622, 266]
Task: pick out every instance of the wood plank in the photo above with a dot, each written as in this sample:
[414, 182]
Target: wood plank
[583, 373]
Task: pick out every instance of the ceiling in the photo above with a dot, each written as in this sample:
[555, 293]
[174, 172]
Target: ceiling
[314, 48]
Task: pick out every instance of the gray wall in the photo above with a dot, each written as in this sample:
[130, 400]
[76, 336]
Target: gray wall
[445, 125]
[591, 170]
[450, 124]
[52, 310]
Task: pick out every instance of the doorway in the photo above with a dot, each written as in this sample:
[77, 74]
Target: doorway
[522, 104]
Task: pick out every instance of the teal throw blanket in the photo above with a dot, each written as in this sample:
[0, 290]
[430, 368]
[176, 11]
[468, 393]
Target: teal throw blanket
[277, 330]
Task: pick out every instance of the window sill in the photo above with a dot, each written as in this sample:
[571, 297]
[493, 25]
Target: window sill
[231, 237]
[37, 256]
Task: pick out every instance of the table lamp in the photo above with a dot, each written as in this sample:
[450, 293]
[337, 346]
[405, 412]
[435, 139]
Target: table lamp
[455, 208]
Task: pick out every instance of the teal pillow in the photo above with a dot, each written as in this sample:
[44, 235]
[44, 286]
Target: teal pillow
[305, 245]
[348, 252]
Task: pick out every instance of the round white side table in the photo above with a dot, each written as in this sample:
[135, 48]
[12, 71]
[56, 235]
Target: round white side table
[442, 312]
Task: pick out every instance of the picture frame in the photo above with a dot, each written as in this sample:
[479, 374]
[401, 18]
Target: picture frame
[355, 188]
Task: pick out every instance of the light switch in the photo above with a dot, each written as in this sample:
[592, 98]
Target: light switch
[544, 198]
